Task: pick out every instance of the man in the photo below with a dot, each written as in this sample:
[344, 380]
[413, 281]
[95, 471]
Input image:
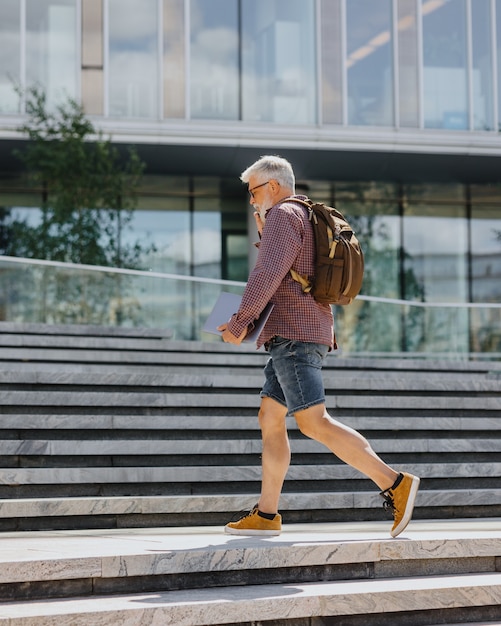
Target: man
[298, 335]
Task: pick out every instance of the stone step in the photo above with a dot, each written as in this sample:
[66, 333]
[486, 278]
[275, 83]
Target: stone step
[107, 421]
[230, 474]
[293, 506]
[218, 447]
[215, 380]
[287, 604]
[190, 398]
[201, 576]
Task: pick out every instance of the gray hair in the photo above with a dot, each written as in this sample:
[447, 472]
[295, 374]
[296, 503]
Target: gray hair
[272, 168]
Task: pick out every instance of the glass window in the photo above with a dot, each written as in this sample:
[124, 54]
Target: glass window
[10, 70]
[408, 63]
[332, 62]
[133, 58]
[373, 211]
[445, 76]
[435, 245]
[486, 266]
[51, 48]
[369, 62]
[214, 60]
[483, 111]
[486, 247]
[278, 61]
[174, 68]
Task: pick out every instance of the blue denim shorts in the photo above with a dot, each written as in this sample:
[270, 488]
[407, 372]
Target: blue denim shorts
[294, 373]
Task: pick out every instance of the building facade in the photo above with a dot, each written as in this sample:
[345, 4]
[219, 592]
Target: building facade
[391, 110]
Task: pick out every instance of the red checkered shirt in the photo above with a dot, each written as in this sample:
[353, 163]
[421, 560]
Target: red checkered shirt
[287, 242]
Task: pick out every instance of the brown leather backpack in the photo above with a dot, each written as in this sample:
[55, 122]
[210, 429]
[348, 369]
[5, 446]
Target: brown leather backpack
[339, 261]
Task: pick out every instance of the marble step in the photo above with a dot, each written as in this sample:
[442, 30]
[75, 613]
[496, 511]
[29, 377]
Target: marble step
[286, 603]
[216, 380]
[241, 447]
[222, 503]
[241, 400]
[107, 421]
[358, 563]
[231, 474]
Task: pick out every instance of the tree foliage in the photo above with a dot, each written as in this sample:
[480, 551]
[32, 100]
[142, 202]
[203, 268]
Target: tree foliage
[88, 191]
[88, 196]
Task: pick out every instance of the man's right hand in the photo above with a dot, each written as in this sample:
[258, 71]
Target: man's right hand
[259, 223]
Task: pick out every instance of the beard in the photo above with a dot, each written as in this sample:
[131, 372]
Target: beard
[263, 207]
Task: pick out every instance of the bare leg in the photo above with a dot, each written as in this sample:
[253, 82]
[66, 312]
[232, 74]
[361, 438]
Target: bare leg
[276, 453]
[347, 444]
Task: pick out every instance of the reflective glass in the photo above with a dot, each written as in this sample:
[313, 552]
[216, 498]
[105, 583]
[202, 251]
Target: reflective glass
[435, 252]
[445, 76]
[133, 58]
[373, 211]
[370, 62]
[486, 267]
[435, 245]
[278, 61]
[51, 48]
[10, 70]
[483, 105]
[214, 59]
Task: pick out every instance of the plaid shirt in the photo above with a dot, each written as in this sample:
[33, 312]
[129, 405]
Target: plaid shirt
[287, 242]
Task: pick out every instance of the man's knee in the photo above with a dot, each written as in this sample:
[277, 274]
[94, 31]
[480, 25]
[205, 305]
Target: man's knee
[313, 420]
[271, 414]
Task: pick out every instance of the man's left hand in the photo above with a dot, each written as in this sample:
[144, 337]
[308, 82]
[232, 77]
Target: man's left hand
[229, 337]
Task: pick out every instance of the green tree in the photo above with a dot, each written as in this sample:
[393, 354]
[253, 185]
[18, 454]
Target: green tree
[89, 193]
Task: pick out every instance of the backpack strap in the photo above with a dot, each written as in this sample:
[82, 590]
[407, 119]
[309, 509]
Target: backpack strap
[306, 285]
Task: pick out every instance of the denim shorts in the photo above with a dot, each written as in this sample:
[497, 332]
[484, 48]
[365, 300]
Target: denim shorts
[294, 373]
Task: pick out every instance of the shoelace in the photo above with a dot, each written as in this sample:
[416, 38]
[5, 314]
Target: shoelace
[389, 503]
[243, 514]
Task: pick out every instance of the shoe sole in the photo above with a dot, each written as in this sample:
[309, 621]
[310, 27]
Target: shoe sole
[409, 508]
[237, 531]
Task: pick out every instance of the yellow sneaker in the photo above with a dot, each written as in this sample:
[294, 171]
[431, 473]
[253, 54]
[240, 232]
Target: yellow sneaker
[400, 500]
[254, 524]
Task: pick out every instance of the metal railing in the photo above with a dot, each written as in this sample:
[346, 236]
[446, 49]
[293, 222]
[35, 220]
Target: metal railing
[38, 291]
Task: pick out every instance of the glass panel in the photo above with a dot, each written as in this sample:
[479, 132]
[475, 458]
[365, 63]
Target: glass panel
[445, 79]
[486, 252]
[10, 68]
[133, 58]
[373, 211]
[370, 62]
[332, 62]
[51, 48]
[483, 112]
[435, 248]
[408, 63]
[214, 62]
[174, 58]
[278, 61]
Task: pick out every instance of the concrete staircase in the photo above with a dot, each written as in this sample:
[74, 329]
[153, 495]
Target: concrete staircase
[124, 452]
[105, 428]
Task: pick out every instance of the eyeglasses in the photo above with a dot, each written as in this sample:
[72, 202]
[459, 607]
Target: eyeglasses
[251, 191]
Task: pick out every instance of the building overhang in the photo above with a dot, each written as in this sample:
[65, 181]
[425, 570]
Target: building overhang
[317, 153]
